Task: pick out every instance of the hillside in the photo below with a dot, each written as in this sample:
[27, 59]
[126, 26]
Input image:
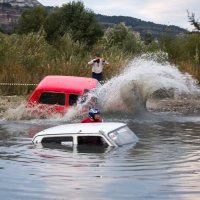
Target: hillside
[21, 3]
[140, 26]
[10, 11]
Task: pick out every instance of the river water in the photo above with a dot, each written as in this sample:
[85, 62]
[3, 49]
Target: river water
[164, 164]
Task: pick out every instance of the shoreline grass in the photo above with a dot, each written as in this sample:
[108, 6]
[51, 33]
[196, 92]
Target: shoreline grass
[28, 58]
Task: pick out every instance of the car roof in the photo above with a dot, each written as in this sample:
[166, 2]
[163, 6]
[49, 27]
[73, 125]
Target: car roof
[71, 84]
[93, 128]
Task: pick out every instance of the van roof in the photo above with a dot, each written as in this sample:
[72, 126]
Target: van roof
[66, 83]
[89, 128]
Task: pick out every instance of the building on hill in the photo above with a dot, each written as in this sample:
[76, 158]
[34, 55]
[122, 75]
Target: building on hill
[21, 3]
[10, 12]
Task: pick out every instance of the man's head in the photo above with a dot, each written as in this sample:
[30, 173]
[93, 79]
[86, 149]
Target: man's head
[97, 55]
[94, 114]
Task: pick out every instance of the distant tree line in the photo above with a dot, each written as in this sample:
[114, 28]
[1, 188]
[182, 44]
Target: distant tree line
[143, 27]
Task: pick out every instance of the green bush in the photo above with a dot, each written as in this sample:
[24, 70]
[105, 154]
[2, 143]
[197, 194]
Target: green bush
[31, 20]
[124, 38]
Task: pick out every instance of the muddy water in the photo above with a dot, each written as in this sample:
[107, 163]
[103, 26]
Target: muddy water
[164, 164]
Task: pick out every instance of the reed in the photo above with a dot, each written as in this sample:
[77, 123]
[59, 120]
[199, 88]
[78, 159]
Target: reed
[191, 68]
[28, 58]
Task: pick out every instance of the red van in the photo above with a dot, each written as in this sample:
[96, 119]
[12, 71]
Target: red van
[57, 93]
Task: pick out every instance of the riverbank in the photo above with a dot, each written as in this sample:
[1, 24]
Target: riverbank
[7, 102]
[184, 105]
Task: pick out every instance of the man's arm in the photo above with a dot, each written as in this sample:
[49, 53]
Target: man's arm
[105, 62]
[93, 61]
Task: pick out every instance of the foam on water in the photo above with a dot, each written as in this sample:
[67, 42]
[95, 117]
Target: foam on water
[130, 90]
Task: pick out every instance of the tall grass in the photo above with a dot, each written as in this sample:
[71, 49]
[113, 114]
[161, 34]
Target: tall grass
[28, 58]
[184, 51]
[190, 68]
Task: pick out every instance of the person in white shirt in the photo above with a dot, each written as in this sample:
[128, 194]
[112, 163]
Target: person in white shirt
[97, 67]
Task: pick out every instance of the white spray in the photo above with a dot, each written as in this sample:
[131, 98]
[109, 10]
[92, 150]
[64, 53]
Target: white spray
[130, 90]
[140, 79]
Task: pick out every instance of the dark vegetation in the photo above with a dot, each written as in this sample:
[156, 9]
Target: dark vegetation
[142, 27]
[62, 40]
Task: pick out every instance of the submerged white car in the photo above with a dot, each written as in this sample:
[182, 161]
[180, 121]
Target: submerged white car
[106, 134]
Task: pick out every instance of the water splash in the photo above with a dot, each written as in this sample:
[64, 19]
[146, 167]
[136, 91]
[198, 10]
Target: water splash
[130, 90]
[139, 81]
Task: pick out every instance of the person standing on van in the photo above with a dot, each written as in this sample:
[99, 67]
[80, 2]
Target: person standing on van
[97, 67]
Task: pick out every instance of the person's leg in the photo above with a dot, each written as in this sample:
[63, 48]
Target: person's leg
[99, 76]
[94, 75]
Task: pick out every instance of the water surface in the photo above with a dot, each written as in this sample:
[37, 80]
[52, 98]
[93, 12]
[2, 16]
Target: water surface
[164, 164]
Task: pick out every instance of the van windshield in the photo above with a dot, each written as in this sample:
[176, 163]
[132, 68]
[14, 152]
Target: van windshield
[123, 136]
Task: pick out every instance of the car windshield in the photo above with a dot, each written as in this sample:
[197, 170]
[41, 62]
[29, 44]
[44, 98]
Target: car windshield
[123, 136]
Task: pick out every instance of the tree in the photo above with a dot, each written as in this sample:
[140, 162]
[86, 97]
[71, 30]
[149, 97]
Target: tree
[75, 19]
[148, 38]
[123, 37]
[32, 20]
[193, 21]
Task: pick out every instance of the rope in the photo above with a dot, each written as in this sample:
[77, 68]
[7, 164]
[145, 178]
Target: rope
[21, 84]
[33, 84]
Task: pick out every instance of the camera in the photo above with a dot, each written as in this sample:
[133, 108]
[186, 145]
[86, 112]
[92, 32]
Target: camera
[97, 60]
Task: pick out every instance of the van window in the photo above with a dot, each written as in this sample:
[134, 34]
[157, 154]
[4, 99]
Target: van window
[52, 98]
[73, 99]
[58, 139]
[91, 140]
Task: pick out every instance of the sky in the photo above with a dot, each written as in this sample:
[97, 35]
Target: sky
[166, 12]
